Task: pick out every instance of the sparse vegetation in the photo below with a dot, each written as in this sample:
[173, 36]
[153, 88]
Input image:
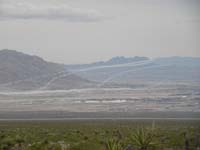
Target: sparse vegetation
[100, 135]
[142, 138]
[113, 144]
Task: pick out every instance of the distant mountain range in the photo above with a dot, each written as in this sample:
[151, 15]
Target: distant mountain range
[133, 69]
[16, 66]
[19, 71]
[113, 61]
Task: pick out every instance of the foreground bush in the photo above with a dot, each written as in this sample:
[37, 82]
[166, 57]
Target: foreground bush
[100, 136]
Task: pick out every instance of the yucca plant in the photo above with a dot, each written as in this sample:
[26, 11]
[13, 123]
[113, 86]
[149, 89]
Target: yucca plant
[142, 139]
[113, 144]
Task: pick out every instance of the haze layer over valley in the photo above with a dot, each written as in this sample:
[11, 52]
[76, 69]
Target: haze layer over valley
[119, 85]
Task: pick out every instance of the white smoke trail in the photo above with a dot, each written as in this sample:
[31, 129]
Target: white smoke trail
[115, 66]
[95, 68]
[33, 78]
[54, 79]
[127, 71]
[65, 73]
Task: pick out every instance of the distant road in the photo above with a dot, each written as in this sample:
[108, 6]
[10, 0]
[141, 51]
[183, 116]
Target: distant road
[99, 119]
[58, 115]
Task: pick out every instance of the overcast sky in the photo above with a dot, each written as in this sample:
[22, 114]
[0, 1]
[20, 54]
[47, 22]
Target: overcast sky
[81, 31]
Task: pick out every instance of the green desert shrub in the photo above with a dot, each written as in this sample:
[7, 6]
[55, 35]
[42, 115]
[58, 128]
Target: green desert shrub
[113, 144]
[7, 143]
[142, 139]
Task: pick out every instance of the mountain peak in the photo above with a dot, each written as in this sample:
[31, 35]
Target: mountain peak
[15, 66]
[19, 71]
[10, 54]
[123, 59]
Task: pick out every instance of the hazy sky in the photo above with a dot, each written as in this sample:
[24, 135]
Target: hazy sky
[77, 31]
